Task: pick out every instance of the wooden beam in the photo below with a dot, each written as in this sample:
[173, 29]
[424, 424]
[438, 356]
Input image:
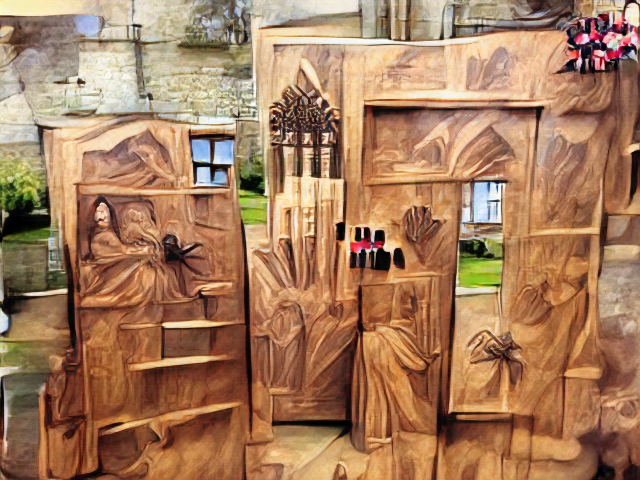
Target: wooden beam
[102, 189]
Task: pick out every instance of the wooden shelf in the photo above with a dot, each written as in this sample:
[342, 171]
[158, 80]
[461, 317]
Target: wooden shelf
[177, 301]
[199, 324]
[210, 289]
[178, 362]
[180, 324]
[178, 415]
[484, 417]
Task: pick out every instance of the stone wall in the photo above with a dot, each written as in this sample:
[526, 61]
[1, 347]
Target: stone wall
[163, 19]
[110, 67]
[206, 81]
[41, 53]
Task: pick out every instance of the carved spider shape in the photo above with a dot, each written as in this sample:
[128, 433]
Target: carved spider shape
[174, 252]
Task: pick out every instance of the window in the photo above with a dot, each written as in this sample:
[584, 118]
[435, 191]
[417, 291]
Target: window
[482, 202]
[212, 160]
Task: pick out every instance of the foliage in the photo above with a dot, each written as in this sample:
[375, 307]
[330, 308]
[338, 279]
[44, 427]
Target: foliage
[252, 174]
[473, 247]
[20, 187]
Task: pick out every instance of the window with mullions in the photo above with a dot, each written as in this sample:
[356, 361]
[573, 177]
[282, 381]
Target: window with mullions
[482, 202]
[212, 159]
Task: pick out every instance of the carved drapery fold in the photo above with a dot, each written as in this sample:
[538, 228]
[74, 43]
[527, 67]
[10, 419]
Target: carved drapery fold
[138, 161]
[567, 184]
[462, 145]
[392, 376]
[298, 345]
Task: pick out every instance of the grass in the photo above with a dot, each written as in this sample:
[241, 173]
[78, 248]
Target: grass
[253, 206]
[479, 272]
[28, 356]
[28, 236]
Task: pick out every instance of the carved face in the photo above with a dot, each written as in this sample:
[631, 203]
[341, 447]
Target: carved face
[102, 216]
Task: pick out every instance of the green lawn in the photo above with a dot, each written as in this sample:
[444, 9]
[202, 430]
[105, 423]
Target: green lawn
[253, 206]
[479, 272]
[28, 236]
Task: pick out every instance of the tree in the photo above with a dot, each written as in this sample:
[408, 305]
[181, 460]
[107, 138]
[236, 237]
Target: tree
[252, 173]
[20, 188]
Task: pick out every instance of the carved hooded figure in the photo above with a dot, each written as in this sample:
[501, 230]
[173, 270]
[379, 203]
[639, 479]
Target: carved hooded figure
[125, 266]
[389, 391]
[548, 315]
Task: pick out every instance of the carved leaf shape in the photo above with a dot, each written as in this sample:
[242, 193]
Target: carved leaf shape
[419, 224]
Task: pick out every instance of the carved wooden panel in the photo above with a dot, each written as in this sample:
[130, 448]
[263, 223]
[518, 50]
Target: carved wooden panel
[137, 161]
[431, 145]
[396, 69]
[571, 159]
[156, 275]
[403, 348]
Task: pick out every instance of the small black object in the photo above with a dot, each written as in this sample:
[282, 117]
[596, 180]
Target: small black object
[174, 252]
[353, 260]
[340, 231]
[372, 259]
[383, 260]
[362, 259]
[358, 234]
[398, 258]
[379, 236]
